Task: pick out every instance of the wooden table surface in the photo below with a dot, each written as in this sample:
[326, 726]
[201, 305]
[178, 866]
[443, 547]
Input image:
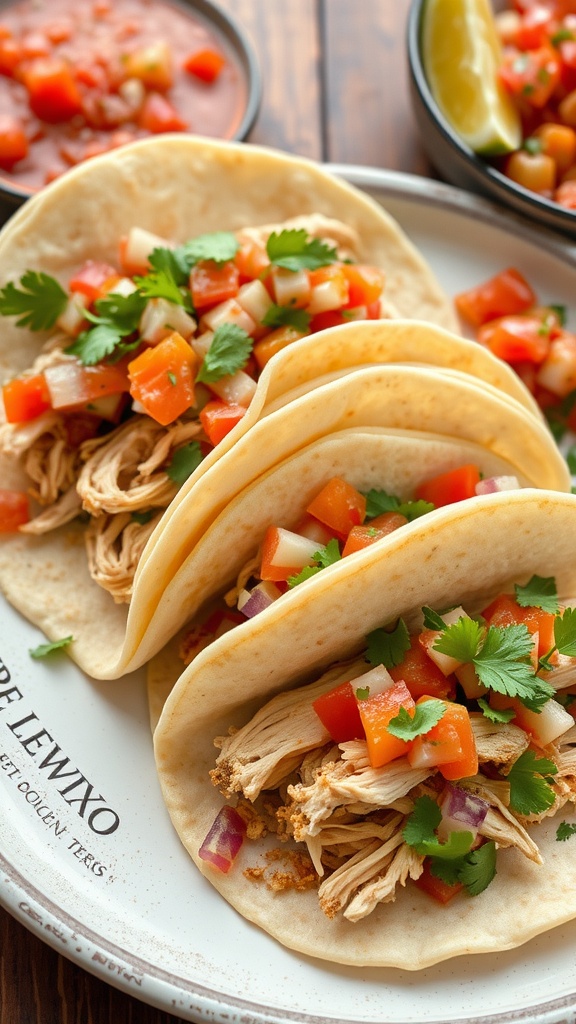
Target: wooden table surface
[335, 89]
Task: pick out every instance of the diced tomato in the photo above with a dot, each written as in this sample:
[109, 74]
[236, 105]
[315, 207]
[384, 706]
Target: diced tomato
[91, 277]
[338, 712]
[324, 321]
[52, 90]
[363, 536]
[449, 745]
[565, 195]
[13, 141]
[219, 418]
[339, 505]
[162, 378]
[80, 427]
[506, 293]
[205, 64]
[505, 611]
[211, 283]
[436, 887]
[270, 567]
[251, 259]
[158, 115]
[25, 398]
[365, 284]
[376, 713]
[14, 510]
[421, 675]
[534, 27]
[10, 56]
[531, 75]
[274, 342]
[515, 339]
[448, 488]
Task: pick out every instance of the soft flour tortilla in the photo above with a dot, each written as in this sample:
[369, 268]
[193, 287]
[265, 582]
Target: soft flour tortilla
[412, 398]
[466, 555]
[395, 461]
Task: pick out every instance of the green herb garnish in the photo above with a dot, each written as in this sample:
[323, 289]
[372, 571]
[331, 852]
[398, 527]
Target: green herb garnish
[45, 649]
[294, 250]
[322, 558]
[229, 352]
[287, 316]
[539, 592]
[426, 715]
[184, 461]
[388, 645]
[37, 303]
[530, 777]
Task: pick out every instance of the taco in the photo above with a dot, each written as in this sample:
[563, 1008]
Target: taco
[310, 513]
[159, 194]
[406, 398]
[353, 783]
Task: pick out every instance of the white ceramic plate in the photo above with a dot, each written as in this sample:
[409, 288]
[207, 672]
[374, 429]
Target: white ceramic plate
[88, 859]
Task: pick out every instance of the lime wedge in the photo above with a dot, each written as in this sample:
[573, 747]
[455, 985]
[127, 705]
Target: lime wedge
[461, 54]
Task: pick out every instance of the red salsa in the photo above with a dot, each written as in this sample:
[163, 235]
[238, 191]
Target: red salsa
[78, 79]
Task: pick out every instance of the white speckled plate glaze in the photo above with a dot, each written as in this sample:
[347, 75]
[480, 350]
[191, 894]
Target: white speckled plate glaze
[88, 859]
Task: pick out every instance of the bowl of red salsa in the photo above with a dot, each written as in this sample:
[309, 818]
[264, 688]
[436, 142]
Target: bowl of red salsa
[538, 71]
[81, 77]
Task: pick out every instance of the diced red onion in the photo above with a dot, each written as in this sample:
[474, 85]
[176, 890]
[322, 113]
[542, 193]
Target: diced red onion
[494, 484]
[461, 811]
[222, 844]
[252, 602]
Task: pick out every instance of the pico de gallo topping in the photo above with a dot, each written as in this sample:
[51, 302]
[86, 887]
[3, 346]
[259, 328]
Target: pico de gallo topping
[538, 71]
[339, 521]
[533, 339]
[422, 758]
[79, 79]
[155, 360]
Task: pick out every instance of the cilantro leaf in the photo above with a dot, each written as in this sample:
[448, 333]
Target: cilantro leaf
[565, 632]
[565, 830]
[386, 646]
[45, 649]
[378, 502]
[492, 714]
[432, 619]
[287, 316]
[478, 869]
[160, 284]
[530, 789]
[37, 303]
[229, 352]
[499, 668]
[173, 262]
[184, 461]
[124, 311]
[324, 557]
[293, 250]
[93, 345]
[426, 715]
[218, 246]
[461, 640]
[539, 592]
[418, 832]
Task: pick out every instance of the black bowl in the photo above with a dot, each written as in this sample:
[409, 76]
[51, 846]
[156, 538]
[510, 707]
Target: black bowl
[14, 194]
[455, 161]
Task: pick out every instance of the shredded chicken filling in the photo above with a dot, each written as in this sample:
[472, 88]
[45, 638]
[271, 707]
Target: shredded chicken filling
[350, 816]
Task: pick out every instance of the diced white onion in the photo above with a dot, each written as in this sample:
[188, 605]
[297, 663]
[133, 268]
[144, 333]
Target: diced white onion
[65, 383]
[123, 286]
[325, 296]
[108, 407]
[228, 312]
[236, 389]
[202, 343]
[494, 484]
[551, 722]
[291, 287]
[72, 318]
[558, 371]
[139, 246]
[161, 317]
[377, 680]
[445, 662]
[254, 299]
[468, 678]
[293, 550]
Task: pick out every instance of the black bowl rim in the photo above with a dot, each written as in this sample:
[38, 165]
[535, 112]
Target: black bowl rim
[235, 34]
[478, 166]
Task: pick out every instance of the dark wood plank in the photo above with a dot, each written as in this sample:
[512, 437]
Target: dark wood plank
[286, 39]
[369, 119]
